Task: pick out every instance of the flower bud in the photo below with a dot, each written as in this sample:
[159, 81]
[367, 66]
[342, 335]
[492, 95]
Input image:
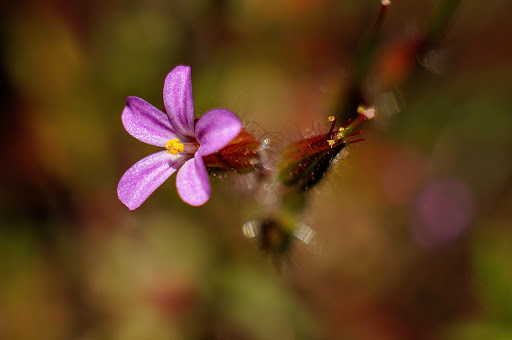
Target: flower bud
[306, 161]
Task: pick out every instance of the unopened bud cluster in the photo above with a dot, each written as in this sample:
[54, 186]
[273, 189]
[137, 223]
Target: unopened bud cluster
[302, 164]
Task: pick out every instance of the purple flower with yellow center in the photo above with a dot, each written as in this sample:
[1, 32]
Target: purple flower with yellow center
[186, 142]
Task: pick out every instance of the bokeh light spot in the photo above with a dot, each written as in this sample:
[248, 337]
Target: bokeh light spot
[442, 212]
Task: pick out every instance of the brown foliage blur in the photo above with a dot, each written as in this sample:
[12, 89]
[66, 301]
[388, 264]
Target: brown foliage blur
[413, 236]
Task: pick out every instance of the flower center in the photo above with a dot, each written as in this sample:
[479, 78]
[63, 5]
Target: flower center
[174, 147]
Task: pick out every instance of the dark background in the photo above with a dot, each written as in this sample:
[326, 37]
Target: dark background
[413, 236]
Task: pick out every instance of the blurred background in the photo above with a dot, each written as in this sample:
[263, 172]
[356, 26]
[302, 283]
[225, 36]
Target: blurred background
[413, 237]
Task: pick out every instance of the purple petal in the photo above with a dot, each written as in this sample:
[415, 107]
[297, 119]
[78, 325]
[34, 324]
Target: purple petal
[192, 182]
[178, 100]
[146, 176]
[146, 123]
[216, 129]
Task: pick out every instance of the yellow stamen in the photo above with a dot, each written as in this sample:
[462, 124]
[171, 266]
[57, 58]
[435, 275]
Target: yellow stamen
[174, 146]
[331, 118]
[331, 142]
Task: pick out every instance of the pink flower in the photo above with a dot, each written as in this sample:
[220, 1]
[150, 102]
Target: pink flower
[185, 142]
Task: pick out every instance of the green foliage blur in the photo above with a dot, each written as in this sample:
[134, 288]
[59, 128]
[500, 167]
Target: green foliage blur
[413, 230]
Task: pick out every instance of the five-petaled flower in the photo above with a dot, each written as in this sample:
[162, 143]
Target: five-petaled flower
[185, 141]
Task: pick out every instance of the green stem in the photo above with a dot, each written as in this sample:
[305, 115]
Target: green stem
[441, 20]
[363, 59]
